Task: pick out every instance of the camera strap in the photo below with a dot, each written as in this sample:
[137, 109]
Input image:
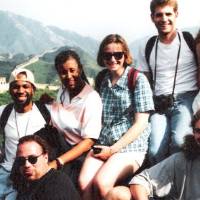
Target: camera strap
[176, 69]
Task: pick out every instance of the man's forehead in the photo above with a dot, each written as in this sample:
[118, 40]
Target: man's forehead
[164, 9]
[29, 148]
[20, 82]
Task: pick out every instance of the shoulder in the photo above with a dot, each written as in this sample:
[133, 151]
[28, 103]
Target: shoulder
[90, 93]
[142, 80]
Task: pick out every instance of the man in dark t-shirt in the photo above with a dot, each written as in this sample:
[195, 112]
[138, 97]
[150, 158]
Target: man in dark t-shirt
[32, 176]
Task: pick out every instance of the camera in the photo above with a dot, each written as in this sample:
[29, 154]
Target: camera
[96, 150]
[163, 102]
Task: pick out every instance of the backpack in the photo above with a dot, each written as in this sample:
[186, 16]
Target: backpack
[50, 134]
[132, 76]
[187, 37]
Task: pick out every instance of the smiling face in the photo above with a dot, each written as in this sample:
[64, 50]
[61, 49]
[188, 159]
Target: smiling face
[35, 170]
[21, 91]
[164, 19]
[69, 74]
[113, 57]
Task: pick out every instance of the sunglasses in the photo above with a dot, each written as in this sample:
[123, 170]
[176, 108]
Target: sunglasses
[117, 55]
[31, 159]
[196, 130]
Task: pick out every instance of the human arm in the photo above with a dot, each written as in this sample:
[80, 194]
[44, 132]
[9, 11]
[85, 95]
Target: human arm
[143, 104]
[76, 151]
[139, 124]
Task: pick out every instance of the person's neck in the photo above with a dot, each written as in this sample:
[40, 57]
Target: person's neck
[167, 38]
[23, 108]
[77, 90]
[115, 75]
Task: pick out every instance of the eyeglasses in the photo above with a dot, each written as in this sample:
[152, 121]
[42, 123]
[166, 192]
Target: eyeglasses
[31, 159]
[117, 55]
[196, 130]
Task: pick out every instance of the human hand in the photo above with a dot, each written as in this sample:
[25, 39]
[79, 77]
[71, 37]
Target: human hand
[102, 152]
[46, 99]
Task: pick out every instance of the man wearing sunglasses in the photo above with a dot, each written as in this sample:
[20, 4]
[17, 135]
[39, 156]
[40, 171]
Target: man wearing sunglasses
[176, 177]
[32, 176]
[24, 119]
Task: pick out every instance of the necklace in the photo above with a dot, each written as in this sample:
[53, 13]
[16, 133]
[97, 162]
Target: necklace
[27, 124]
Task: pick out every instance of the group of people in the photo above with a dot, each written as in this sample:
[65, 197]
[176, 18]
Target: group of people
[138, 115]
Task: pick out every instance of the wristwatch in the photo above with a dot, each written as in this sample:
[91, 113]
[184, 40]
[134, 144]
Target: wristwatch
[59, 163]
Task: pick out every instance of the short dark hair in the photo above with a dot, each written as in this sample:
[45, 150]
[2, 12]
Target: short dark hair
[114, 38]
[155, 3]
[37, 139]
[196, 117]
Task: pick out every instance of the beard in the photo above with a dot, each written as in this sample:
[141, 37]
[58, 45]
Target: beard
[191, 147]
[21, 104]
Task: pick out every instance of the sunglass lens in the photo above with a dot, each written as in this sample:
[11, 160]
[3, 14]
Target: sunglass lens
[32, 159]
[118, 55]
[107, 56]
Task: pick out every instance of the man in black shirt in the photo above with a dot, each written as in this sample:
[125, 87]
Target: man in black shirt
[32, 176]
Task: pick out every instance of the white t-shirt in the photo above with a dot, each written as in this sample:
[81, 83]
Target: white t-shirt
[80, 118]
[17, 127]
[166, 64]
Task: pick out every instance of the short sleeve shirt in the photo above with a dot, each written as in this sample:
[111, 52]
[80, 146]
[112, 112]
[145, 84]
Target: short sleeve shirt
[79, 118]
[119, 107]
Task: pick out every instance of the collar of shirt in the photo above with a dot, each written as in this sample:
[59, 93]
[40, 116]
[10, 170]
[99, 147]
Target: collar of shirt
[122, 82]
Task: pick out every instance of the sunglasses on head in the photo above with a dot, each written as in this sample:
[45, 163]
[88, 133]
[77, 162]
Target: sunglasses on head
[31, 159]
[196, 130]
[117, 55]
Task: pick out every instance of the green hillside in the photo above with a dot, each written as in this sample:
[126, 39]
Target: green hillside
[45, 72]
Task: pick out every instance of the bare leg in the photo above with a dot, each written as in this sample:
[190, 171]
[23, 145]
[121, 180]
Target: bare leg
[117, 167]
[90, 167]
[119, 193]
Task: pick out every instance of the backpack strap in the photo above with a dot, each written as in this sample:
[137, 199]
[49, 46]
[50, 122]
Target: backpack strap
[3, 120]
[44, 111]
[190, 42]
[187, 37]
[132, 76]
[99, 78]
[149, 47]
[4, 117]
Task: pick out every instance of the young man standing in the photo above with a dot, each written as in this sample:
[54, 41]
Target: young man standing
[172, 71]
[24, 119]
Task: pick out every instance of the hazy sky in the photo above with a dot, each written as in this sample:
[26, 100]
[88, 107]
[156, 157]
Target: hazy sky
[97, 18]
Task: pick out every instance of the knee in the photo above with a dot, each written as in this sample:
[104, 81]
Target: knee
[103, 185]
[119, 193]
